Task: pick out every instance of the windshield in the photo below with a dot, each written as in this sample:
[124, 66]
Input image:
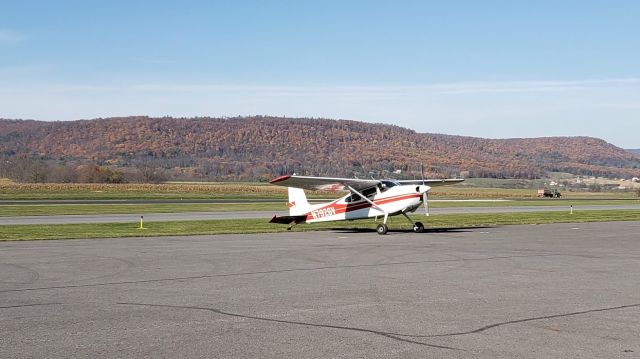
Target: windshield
[389, 183]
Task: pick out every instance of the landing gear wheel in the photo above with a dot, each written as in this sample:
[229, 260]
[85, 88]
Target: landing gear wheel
[418, 227]
[382, 229]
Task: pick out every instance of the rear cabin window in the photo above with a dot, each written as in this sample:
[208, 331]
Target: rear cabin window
[369, 193]
[353, 198]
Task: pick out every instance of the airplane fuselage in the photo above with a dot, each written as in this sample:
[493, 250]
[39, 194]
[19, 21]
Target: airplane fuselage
[394, 200]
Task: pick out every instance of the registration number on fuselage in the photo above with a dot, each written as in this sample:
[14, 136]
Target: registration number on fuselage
[323, 212]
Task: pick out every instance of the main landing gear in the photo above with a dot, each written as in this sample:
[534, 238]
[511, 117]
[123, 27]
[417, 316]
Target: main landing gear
[418, 227]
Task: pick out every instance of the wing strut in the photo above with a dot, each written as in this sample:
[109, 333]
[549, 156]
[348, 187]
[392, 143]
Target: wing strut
[386, 214]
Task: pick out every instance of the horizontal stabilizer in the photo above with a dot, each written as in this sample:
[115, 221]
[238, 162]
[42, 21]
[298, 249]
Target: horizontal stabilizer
[288, 219]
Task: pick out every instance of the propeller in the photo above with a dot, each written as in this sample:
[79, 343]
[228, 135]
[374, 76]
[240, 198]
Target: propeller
[425, 196]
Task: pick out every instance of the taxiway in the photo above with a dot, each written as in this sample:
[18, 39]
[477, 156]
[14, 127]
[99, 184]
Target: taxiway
[560, 290]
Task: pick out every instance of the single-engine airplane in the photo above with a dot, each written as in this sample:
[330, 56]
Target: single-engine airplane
[367, 198]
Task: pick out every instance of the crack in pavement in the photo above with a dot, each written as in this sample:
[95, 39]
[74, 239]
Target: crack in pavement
[280, 271]
[482, 329]
[396, 336]
[28, 305]
[393, 336]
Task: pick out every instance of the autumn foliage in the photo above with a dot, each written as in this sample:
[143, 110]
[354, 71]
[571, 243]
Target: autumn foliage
[250, 148]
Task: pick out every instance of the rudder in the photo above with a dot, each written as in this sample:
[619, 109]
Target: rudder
[298, 204]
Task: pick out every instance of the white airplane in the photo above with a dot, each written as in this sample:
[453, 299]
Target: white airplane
[367, 198]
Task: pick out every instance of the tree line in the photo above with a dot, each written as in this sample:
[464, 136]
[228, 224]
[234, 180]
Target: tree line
[134, 149]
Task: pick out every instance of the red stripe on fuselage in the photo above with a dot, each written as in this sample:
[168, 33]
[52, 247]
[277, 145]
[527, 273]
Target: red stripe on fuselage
[345, 208]
[381, 201]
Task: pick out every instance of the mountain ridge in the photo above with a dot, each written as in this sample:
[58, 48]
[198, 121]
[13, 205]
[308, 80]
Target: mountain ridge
[260, 146]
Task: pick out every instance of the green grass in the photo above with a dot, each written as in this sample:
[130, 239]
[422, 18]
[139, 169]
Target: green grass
[124, 195]
[536, 202]
[247, 191]
[464, 191]
[178, 228]
[172, 191]
[88, 209]
[109, 208]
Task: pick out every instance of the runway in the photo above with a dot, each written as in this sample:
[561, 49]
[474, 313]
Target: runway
[199, 216]
[561, 290]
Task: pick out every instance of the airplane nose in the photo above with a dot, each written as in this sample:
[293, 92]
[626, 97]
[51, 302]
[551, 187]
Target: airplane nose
[422, 189]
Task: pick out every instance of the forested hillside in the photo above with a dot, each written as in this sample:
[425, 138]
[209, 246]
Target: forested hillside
[261, 147]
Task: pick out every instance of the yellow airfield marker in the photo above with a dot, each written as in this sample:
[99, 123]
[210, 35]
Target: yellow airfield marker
[141, 223]
[571, 212]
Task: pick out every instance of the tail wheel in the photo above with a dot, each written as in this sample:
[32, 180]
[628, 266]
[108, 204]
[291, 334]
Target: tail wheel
[418, 227]
[382, 229]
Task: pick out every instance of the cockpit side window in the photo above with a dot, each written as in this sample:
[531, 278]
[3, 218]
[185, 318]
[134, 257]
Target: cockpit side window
[369, 192]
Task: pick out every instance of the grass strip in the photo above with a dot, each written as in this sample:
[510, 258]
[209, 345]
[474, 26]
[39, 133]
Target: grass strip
[146, 208]
[226, 190]
[88, 209]
[241, 226]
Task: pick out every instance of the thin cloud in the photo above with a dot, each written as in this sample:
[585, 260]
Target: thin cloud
[435, 89]
[317, 90]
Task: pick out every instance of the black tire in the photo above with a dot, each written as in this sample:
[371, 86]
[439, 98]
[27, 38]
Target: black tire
[382, 229]
[418, 227]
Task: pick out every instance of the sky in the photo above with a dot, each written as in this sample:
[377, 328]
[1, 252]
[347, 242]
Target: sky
[497, 69]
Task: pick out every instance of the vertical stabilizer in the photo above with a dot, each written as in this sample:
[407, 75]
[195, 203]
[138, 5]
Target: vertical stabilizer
[298, 204]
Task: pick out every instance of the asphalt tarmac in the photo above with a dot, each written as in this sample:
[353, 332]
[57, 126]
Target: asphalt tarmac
[535, 291]
[199, 216]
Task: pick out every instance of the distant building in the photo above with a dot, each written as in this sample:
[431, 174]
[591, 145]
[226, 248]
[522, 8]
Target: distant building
[635, 179]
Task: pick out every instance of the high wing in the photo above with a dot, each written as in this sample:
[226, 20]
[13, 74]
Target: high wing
[433, 182]
[324, 183]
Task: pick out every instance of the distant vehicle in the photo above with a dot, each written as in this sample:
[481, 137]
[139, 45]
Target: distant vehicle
[549, 193]
[367, 198]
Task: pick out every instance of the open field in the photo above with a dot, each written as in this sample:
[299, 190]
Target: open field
[547, 291]
[248, 191]
[28, 209]
[460, 191]
[104, 230]
[223, 190]
[76, 209]
[50, 191]
[560, 178]
[611, 182]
